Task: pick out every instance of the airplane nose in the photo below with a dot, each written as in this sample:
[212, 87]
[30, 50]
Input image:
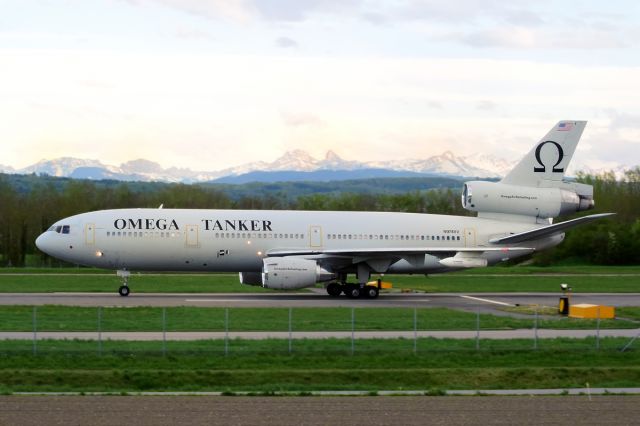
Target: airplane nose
[43, 242]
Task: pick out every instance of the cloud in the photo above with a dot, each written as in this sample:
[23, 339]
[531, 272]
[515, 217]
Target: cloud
[297, 119]
[542, 38]
[250, 10]
[624, 120]
[523, 17]
[286, 42]
[485, 105]
[192, 34]
[234, 10]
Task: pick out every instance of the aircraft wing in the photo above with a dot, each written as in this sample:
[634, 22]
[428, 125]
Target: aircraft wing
[399, 252]
[547, 231]
[380, 259]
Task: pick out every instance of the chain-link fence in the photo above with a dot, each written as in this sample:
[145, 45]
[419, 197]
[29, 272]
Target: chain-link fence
[168, 330]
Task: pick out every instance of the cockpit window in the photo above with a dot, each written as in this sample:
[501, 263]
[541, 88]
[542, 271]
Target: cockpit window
[60, 229]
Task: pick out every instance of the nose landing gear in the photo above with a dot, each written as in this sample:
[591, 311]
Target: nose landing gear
[124, 288]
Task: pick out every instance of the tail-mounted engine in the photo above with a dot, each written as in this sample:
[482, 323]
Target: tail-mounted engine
[543, 203]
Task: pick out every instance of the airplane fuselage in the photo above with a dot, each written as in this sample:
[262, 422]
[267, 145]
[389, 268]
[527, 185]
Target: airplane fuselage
[239, 240]
[297, 249]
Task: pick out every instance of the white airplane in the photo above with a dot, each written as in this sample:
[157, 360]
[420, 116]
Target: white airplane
[297, 249]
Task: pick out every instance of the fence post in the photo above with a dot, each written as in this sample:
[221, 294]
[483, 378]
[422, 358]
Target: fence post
[164, 331]
[415, 330]
[478, 328]
[353, 330]
[290, 328]
[35, 330]
[598, 330]
[535, 330]
[100, 330]
[226, 331]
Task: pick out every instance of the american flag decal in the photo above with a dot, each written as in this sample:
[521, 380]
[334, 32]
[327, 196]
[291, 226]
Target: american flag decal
[563, 127]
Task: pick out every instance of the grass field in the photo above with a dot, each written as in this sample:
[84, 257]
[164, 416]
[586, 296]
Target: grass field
[70, 318]
[582, 279]
[265, 366]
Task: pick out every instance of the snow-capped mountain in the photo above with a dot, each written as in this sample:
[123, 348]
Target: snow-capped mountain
[136, 170]
[64, 166]
[6, 169]
[447, 163]
[299, 161]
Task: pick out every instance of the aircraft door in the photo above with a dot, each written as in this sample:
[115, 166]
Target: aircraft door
[315, 236]
[193, 239]
[89, 234]
[469, 237]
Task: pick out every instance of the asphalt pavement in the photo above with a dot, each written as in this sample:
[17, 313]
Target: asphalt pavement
[467, 301]
[323, 410]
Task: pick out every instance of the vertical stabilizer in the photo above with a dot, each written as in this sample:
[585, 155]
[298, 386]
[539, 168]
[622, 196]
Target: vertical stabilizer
[548, 160]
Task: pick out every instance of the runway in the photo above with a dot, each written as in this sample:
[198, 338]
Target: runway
[318, 298]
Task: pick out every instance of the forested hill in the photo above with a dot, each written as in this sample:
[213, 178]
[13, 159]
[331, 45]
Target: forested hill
[30, 204]
[388, 185]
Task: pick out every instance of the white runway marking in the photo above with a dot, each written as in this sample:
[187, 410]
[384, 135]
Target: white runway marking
[495, 302]
[223, 300]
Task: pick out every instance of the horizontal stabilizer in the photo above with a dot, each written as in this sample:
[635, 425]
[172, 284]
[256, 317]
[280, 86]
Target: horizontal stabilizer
[547, 231]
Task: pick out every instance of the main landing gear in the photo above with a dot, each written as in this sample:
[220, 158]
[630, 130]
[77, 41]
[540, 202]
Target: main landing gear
[353, 291]
[124, 288]
[356, 291]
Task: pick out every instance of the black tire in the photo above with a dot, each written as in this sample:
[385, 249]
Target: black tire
[334, 289]
[353, 291]
[123, 290]
[371, 292]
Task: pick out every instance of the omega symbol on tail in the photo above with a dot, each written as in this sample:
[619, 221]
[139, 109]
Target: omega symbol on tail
[544, 167]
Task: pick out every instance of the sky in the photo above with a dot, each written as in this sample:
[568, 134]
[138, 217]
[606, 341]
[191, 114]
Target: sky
[213, 84]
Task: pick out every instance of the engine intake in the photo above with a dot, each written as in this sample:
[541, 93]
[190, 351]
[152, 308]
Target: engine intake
[293, 272]
[496, 197]
[251, 278]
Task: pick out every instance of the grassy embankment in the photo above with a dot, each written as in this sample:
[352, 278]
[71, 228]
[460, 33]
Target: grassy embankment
[263, 366]
[72, 318]
[583, 279]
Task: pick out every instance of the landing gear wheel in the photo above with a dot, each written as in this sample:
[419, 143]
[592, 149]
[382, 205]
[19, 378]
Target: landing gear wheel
[334, 289]
[353, 291]
[371, 292]
[123, 290]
